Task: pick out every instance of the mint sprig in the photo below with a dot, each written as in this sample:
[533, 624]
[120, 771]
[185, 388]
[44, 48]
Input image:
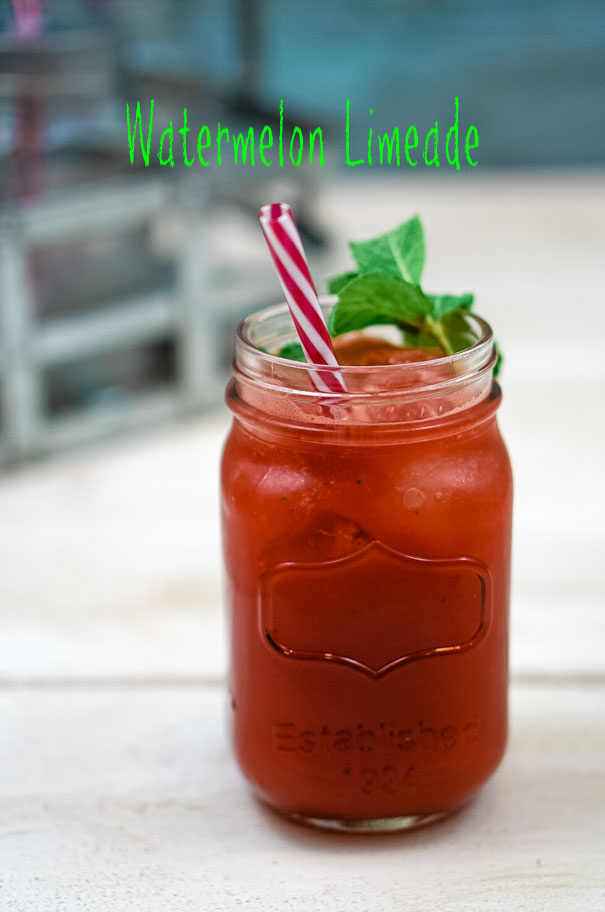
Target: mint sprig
[385, 289]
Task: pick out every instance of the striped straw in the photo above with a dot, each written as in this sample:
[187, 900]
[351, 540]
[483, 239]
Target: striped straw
[286, 249]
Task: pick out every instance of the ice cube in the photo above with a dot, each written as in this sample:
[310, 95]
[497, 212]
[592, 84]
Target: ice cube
[333, 535]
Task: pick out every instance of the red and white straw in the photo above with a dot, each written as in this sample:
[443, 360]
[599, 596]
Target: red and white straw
[286, 249]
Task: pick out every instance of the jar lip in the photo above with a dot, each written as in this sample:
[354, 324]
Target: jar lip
[480, 353]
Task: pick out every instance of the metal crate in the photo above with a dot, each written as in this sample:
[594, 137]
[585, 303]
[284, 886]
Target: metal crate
[31, 348]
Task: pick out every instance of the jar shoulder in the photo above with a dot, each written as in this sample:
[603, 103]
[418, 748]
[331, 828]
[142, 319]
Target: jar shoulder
[476, 460]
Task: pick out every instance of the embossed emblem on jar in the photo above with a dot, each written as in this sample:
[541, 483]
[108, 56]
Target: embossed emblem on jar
[376, 610]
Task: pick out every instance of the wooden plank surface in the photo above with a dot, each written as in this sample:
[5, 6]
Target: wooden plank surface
[127, 798]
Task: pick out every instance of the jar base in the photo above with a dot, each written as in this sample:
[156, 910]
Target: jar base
[377, 825]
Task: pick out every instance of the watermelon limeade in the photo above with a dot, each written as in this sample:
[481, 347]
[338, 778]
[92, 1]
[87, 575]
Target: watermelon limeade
[367, 549]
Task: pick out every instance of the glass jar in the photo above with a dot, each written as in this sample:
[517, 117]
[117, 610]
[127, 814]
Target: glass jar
[367, 550]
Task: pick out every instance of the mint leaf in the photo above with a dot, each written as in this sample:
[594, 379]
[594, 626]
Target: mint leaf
[374, 298]
[293, 351]
[499, 359]
[446, 303]
[339, 281]
[407, 243]
[415, 338]
[399, 252]
[453, 331]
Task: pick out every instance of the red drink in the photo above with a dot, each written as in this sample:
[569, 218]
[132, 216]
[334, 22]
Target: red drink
[367, 547]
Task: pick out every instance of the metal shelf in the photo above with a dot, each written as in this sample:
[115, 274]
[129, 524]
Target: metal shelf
[29, 348]
[127, 323]
[142, 410]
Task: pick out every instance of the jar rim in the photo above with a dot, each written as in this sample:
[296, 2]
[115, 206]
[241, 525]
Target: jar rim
[475, 357]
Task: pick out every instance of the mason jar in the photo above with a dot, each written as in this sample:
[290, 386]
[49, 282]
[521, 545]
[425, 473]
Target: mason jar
[367, 552]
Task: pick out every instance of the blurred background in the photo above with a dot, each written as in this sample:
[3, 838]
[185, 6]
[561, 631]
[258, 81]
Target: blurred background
[121, 286]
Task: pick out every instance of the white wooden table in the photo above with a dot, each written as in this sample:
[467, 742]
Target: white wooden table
[117, 789]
